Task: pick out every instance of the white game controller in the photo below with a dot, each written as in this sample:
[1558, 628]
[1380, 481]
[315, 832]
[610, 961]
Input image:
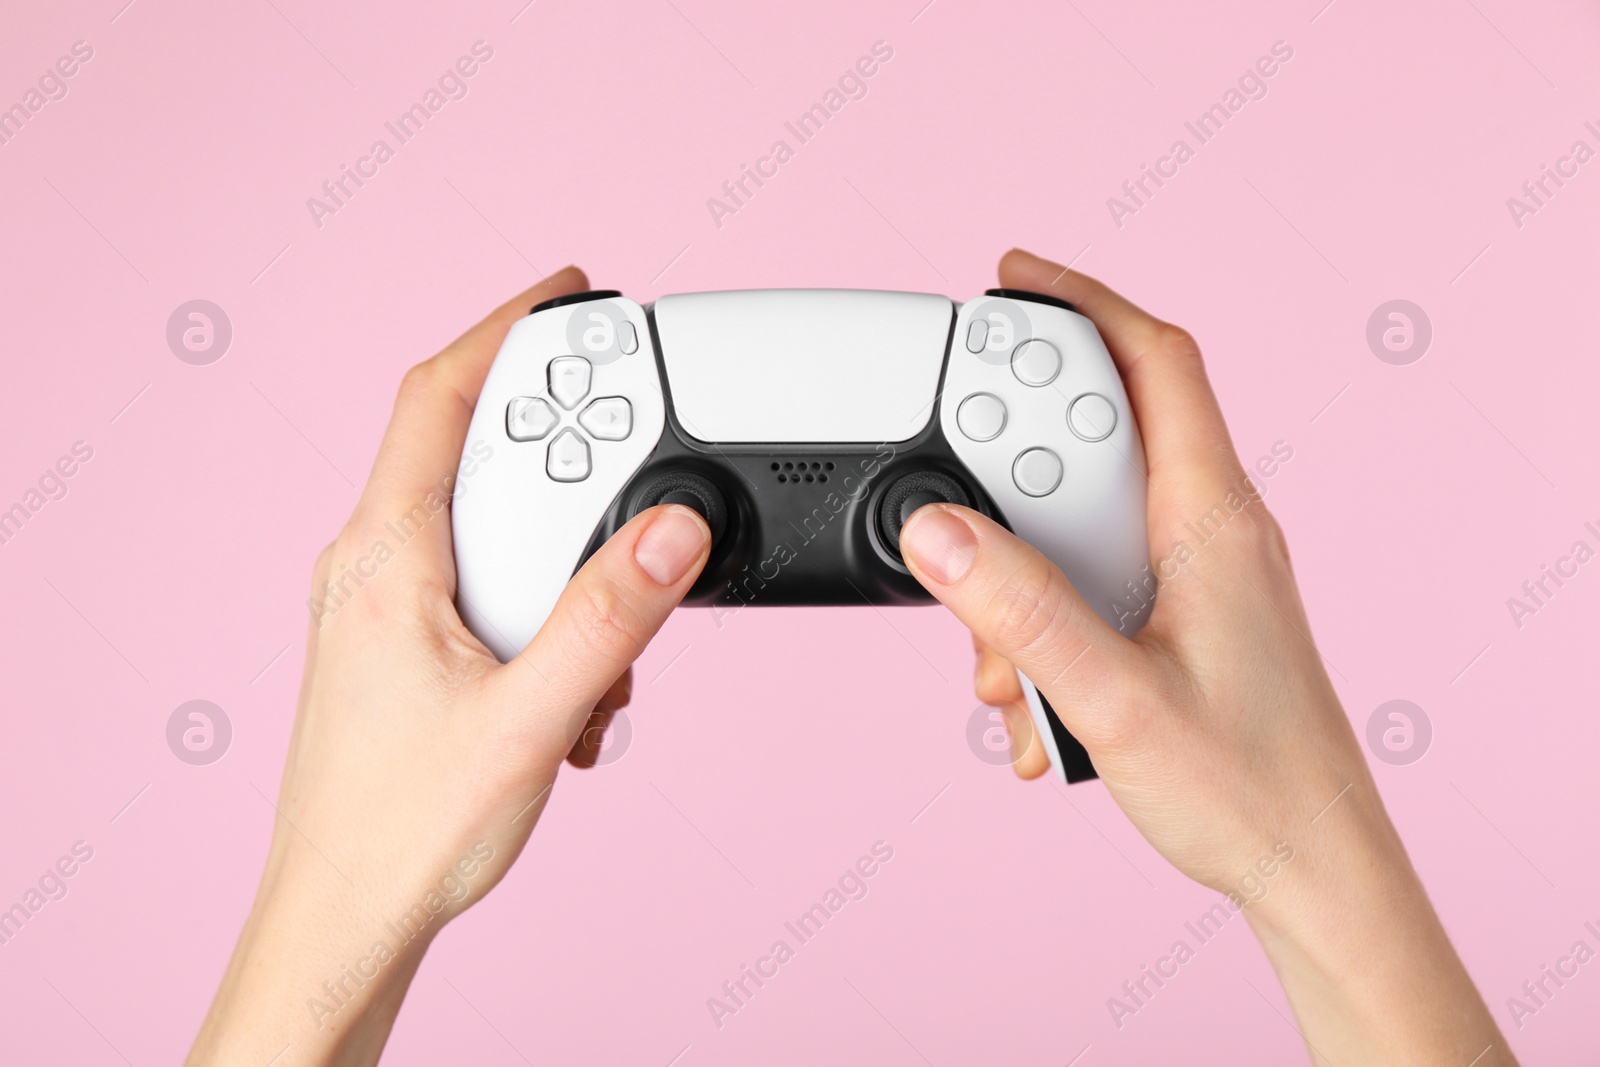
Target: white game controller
[805, 425]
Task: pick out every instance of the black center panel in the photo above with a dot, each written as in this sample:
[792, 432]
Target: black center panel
[801, 521]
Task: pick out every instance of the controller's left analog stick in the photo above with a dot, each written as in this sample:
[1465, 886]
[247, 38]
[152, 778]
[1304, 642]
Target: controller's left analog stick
[690, 490]
[910, 492]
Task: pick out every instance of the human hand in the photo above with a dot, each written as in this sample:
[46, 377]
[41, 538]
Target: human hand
[419, 765]
[1216, 728]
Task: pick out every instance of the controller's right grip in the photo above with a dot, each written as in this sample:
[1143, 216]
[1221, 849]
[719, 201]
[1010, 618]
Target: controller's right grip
[1068, 757]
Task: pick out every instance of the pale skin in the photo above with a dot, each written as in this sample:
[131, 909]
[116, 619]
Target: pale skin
[419, 765]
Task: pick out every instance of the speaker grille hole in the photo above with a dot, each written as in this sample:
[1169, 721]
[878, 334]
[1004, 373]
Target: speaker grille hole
[794, 472]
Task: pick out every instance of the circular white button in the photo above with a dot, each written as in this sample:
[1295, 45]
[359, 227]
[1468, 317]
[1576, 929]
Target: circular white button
[1092, 417]
[1037, 472]
[1036, 362]
[981, 417]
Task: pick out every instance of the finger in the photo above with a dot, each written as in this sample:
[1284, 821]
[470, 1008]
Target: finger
[1023, 608]
[414, 474]
[1028, 757]
[592, 738]
[1189, 453]
[995, 680]
[604, 619]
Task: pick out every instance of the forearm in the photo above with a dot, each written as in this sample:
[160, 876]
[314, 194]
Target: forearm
[313, 976]
[1367, 967]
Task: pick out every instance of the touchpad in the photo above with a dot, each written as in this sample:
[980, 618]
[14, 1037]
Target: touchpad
[766, 366]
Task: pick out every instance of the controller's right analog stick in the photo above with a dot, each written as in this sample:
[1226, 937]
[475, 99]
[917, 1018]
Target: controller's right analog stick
[692, 491]
[910, 492]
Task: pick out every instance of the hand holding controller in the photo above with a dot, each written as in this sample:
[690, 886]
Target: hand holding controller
[1215, 728]
[806, 427]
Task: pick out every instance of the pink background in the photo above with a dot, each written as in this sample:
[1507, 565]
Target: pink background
[176, 568]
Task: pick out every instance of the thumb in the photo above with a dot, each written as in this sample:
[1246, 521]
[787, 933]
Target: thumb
[605, 617]
[1020, 604]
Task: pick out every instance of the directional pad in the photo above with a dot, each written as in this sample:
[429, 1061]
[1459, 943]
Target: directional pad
[608, 419]
[568, 460]
[569, 380]
[535, 418]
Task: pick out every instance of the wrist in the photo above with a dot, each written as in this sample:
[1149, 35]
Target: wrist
[1350, 874]
[321, 966]
[1363, 958]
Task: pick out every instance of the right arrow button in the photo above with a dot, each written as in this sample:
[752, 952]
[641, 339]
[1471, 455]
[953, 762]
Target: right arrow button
[608, 419]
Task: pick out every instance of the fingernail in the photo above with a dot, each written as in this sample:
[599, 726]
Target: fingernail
[941, 544]
[671, 544]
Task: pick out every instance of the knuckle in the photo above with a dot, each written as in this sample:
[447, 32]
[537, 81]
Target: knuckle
[322, 565]
[989, 691]
[420, 380]
[1270, 539]
[1031, 611]
[1262, 533]
[602, 619]
[429, 382]
[360, 529]
[1175, 342]
[996, 680]
[1123, 722]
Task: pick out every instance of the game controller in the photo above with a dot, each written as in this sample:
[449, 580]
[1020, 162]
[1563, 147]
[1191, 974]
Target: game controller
[805, 426]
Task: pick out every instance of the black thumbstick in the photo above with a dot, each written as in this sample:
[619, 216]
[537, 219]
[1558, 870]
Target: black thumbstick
[910, 492]
[692, 491]
[914, 501]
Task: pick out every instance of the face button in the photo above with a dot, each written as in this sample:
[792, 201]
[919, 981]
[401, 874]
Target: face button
[627, 338]
[1036, 362]
[608, 419]
[981, 417]
[568, 460]
[529, 419]
[569, 380]
[1037, 472]
[1092, 417]
[977, 335]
